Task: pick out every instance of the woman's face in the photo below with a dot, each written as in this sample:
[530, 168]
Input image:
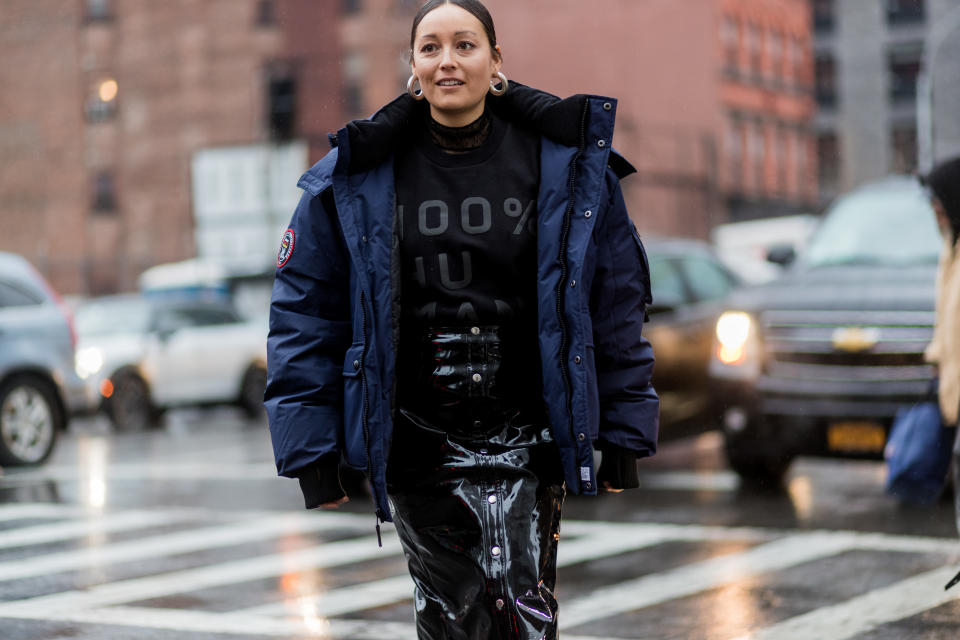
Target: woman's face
[454, 63]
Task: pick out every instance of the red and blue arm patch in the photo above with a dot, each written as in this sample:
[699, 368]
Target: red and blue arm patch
[286, 248]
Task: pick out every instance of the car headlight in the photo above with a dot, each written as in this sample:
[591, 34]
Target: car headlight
[736, 352]
[88, 361]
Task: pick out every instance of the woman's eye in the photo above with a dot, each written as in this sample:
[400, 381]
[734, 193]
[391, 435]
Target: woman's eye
[466, 45]
[428, 48]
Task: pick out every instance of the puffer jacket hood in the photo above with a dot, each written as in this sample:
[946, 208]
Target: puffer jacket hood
[331, 348]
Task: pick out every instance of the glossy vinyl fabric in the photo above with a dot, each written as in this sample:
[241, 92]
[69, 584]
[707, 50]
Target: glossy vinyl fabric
[476, 489]
[479, 523]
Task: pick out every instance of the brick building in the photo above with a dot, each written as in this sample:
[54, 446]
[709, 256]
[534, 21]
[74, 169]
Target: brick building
[105, 103]
[716, 96]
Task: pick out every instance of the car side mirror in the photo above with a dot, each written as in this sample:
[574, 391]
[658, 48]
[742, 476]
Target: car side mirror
[781, 254]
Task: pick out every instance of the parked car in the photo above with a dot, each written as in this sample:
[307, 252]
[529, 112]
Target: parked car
[142, 355]
[38, 387]
[818, 361]
[689, 286]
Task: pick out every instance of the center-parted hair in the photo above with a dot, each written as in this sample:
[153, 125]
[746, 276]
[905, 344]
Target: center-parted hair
[474, 7]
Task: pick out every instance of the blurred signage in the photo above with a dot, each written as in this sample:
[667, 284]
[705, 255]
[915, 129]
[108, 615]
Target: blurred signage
[243, 198]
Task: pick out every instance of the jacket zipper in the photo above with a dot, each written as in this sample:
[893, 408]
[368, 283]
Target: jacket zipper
[366, 405]
[561, 285]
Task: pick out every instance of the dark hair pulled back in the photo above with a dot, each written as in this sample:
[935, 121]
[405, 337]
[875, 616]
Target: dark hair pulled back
[474, 7]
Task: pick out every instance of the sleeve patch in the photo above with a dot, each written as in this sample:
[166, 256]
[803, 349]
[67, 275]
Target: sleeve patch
[286, 248]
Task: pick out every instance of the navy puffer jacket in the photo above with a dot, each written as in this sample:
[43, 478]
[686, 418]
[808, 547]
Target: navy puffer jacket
[332, 349]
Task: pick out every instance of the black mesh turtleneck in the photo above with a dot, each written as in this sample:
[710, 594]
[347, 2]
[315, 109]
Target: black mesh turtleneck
[460, 139]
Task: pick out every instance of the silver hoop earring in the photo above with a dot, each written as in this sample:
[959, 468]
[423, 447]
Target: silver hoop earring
[416, 94]
[504, 85]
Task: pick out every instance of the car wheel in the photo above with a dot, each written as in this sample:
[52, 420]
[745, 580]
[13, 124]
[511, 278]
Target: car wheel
[130, 407]
[758, 462]
[30, 420]
[251, 391]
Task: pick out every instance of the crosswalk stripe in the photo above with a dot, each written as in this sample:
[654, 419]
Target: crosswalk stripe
[864, 613]
[654, 589]
[368, 595]
[155, 586]
[39, 510]
[89, 526]
[170, 544]
[584, 542]
[308, 625]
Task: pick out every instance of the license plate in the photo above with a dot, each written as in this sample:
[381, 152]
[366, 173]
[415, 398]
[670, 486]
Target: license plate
[859, 437]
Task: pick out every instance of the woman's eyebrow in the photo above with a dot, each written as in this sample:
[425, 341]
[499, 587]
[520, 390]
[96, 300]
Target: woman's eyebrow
[427, 36]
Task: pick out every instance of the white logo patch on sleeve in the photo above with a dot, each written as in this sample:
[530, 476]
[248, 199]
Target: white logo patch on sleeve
[286, 248]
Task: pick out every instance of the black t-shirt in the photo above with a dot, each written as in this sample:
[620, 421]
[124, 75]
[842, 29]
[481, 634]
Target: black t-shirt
[467, 226]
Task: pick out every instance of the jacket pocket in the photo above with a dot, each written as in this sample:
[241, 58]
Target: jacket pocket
[648, 295]
[593, 393]
[354, 445]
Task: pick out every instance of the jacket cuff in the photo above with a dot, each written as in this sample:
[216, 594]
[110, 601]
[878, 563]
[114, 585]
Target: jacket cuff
[320, 482]
[618, 467]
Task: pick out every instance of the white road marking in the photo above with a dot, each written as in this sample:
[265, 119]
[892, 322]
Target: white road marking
[864, 613]
[261, 567]
[89, 526]
[305, 626]
[693, 578]
[38, 510]
[170, 544]
[160, 471]
[337, 602]
[313, 616]
[690, 481]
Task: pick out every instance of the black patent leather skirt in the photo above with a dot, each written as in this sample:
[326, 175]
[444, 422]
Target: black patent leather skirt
[478, 515]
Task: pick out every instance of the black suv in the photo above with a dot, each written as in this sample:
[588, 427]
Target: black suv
[818, 361]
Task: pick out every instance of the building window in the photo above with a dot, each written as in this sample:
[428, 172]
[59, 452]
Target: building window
[828, 162]
[353, 104]
[903, 147]
[281, 102]
[782, 150]
[755, 155]
[903, 64]
[266, 14]
[101, 104]
[104, 197]
[905, 11]
[98, 11]
[823, 16]
[351, 6]
[826, 80]
[730, 39]
[755, 49]
[797, 61]
[775, 51]
[734, 152]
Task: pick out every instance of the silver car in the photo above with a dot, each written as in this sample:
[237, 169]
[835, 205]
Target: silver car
[39, 388]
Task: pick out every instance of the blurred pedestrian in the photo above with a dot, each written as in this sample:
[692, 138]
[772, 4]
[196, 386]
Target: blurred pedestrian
[458, 310]
[943, 185]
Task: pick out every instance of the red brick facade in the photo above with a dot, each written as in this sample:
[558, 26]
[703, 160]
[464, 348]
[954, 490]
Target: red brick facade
[190, 74]
[715, 107]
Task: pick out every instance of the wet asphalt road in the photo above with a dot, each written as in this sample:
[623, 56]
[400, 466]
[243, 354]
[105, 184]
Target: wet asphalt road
[186, 533]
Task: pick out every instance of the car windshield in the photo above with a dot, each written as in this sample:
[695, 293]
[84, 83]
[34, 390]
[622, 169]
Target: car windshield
[104, 317]
[885, 225]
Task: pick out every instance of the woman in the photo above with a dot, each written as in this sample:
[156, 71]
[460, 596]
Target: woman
[458, 310]
[943, 185]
